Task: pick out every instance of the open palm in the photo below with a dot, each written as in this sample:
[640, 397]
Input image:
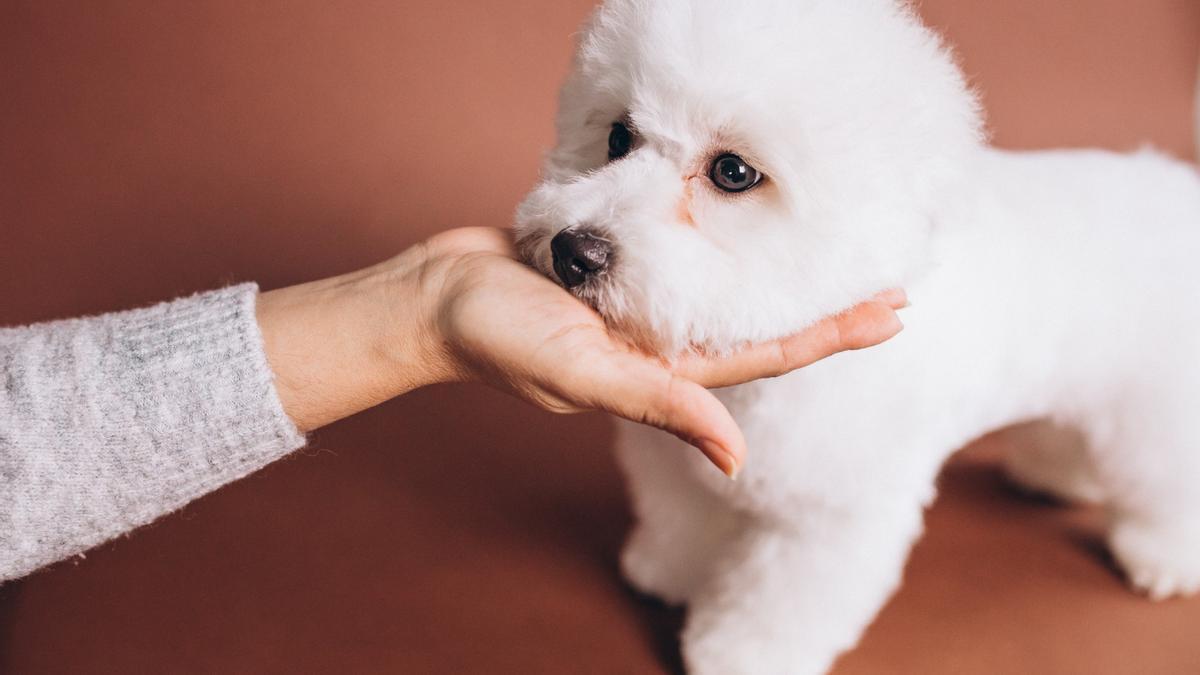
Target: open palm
[503, 323]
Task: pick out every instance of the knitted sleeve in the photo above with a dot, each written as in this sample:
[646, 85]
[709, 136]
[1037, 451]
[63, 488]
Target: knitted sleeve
[107, 423]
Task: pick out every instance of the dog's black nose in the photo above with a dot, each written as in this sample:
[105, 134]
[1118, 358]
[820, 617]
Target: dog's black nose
[579, 255]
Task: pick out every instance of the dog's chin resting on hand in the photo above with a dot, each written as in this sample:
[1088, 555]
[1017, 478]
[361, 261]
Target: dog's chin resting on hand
[729, 172]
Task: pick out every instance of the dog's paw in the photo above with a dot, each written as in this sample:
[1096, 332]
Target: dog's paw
[746, 652]
[1161, 560]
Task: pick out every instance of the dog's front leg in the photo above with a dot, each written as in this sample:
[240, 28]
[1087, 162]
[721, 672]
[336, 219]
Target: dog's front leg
[790, 595]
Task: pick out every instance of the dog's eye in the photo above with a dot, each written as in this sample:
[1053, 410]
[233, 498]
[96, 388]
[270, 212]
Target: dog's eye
[620, 141]
[732, 174]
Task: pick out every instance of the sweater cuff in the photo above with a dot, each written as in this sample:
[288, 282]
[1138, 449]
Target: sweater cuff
[204, 388]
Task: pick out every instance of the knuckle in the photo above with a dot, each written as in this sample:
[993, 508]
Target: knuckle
[667, 403]
[784, 358]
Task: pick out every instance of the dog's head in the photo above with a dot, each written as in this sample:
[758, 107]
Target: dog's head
[733, 171]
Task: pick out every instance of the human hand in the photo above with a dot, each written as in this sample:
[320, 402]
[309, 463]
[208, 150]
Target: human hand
[503, 323]
[461, 307]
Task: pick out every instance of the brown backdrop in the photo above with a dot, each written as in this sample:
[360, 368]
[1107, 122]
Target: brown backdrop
[149, 149]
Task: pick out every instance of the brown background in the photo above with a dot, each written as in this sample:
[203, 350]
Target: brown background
[150, 148]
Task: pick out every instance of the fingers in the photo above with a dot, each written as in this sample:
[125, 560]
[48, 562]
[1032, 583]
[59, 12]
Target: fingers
[895, 298]
[862, 326]
[865, 325]
[636, 389]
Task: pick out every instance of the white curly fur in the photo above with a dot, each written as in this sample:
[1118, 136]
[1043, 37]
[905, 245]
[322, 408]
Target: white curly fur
[1060, 285]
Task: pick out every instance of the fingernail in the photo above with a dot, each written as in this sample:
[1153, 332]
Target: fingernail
[723, 458]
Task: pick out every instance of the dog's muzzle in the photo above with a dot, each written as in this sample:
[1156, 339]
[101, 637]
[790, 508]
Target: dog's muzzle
[579, 255]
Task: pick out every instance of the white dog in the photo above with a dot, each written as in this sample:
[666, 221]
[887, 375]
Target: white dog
[732, 171]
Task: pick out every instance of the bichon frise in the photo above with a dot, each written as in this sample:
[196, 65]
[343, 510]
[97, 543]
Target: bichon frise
[729, 172]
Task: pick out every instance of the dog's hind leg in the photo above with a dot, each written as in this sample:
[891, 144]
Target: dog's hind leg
[1149, 455]
[1159, 552]
[680, 524]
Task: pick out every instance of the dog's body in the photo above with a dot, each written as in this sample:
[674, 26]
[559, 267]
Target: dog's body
[1059, 285]
[1048, 303]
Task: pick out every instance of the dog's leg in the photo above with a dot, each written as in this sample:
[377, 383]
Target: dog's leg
[1050, 460]
[1160, 552]
[1150, 461]
[669, 552]
[680, 524]
[1155, 534]
[790, 596]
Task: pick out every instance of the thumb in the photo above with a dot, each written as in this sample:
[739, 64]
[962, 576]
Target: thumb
[640, 391]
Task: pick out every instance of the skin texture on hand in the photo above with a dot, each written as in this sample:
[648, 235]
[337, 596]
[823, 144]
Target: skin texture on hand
[461, 307]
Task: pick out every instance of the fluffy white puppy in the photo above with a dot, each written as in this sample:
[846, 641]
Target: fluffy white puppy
[733, 171]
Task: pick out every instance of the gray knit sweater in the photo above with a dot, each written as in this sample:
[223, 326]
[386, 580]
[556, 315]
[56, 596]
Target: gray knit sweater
[109, 422]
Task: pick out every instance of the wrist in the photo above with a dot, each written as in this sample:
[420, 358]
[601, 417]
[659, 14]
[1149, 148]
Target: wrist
[341, 345]
[406, 299]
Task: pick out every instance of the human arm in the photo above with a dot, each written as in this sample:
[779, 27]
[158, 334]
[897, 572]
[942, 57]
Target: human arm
[109, 422]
